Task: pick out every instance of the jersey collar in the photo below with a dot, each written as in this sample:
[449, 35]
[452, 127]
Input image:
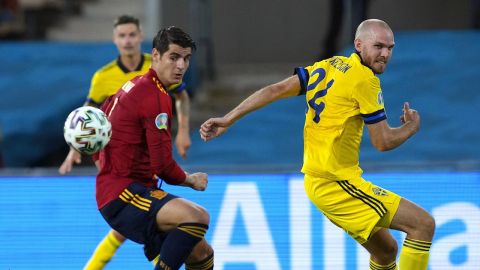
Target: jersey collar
[153, 77]
[361, 60]
[125, 69]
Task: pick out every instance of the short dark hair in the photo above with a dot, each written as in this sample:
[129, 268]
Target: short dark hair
[175, 35]
[124, 19]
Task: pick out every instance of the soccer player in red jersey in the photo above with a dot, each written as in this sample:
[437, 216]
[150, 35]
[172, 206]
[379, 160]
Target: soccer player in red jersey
[140, 153]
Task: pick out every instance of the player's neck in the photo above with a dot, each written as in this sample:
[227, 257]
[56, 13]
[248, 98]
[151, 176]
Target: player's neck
[131, 62]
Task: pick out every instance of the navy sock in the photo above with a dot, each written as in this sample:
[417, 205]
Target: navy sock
[206, 264]
[178, 245]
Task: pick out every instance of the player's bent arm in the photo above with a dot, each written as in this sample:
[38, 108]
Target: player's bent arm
[197, 181]
[384, 137]
[286, 88]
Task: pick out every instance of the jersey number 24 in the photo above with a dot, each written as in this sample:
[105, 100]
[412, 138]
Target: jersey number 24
[318, 108]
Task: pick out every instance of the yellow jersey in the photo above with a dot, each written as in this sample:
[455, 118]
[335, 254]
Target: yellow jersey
[341, 94]
[108, 79]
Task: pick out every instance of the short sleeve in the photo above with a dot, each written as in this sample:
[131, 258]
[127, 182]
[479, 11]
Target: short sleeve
[368, 95]
[94, 94]
[303, 76]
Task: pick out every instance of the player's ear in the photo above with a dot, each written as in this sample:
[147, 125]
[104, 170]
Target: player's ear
[113, 35]
[155, 54]
[358, 44]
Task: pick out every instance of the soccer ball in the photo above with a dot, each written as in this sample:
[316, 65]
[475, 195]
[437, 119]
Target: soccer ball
[87, 130]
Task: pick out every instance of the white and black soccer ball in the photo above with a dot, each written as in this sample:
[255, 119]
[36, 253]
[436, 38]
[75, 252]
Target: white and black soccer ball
[87, 130]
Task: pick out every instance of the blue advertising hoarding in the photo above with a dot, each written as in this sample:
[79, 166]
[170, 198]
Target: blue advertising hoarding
[261, 222]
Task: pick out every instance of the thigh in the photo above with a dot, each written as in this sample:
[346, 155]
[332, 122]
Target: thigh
[410, 217]
[355, 205]
[133, 214]
[179, 211]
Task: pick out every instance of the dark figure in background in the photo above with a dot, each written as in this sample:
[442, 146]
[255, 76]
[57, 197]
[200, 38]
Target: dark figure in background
[338, 15]
[11, 19]
[1, 140]
[475, 9]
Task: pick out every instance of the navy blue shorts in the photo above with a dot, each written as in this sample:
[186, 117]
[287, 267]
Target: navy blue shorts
[133, 214]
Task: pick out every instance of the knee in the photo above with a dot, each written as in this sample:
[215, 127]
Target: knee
[388, 253]
[200, 215]
[200, 252]
[392, 249]
[428, 225]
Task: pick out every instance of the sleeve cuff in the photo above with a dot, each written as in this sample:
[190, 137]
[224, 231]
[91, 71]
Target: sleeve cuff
[375, 117]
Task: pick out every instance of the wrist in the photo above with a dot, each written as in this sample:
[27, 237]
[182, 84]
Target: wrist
[187, 181]
[411, 127]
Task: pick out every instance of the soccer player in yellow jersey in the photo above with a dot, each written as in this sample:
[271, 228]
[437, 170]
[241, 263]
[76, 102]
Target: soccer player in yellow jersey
[343, 94]
[127, 36]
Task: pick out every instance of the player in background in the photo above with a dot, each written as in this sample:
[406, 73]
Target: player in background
[343, 94]
[140, 153]
[131, 62]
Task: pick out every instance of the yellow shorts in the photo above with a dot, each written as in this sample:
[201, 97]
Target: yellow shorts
[355, 205]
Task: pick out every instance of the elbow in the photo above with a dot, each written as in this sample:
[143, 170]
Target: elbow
[382, 146]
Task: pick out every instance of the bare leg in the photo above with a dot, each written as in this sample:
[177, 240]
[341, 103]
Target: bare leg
[420, 227]
[414, 221]
[382, 247]
[179, 211]
[119, 237]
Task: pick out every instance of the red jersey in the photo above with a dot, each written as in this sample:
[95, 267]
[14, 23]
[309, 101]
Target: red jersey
[141, 144]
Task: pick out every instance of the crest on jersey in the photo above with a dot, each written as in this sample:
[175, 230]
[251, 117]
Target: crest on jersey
[379, 191]
[161, 121]
[380, 98]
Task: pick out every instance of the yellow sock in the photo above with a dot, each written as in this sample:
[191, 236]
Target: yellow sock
[414, 254]
[155, 261]
[103, 253]
[376, 266]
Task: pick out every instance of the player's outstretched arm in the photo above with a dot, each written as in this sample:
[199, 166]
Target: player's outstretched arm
[72, 157]
[215, 127]
[385, 138]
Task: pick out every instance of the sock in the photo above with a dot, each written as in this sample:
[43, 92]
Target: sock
[414, 254]
[376, 266]
[178, 245]
[155, 261]
[206, 264]
[103, 253]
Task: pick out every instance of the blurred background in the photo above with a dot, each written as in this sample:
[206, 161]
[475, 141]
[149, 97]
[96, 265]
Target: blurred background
[49, 50]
